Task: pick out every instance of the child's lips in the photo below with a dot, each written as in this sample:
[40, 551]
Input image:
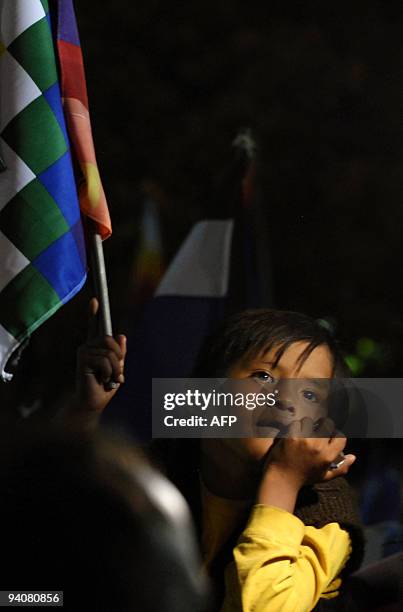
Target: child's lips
[267, 425]
[270, 421]
[276, 418]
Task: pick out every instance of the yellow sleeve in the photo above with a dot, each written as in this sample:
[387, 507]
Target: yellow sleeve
[281, 565]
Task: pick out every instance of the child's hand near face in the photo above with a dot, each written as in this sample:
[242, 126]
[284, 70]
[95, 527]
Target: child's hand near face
[301, 459]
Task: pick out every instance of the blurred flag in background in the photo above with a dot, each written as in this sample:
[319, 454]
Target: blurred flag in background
[220, 268]
[148, 266]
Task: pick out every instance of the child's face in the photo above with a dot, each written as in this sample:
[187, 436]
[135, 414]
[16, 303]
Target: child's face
[295, 400]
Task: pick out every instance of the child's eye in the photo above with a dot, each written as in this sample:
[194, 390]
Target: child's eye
[310, 395]
[263, 376]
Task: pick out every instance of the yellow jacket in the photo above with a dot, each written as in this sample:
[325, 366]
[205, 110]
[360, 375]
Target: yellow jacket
[279, 563]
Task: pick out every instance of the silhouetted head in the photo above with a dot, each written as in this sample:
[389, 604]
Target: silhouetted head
[88, 515]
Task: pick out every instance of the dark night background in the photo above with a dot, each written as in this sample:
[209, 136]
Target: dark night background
[320, 83]
[322, 86]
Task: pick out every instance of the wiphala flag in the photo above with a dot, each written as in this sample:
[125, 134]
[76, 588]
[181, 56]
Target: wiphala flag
[42, 257]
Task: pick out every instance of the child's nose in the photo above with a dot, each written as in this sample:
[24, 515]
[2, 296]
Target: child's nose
[285, 405]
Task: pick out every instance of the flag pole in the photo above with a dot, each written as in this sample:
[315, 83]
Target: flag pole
[100, 281]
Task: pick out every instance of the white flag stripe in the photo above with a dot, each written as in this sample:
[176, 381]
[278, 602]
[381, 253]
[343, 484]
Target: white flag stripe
[12, 261]
[16, 16]
[7, 345]
[201, 267]
[21, 90]
[16, 177]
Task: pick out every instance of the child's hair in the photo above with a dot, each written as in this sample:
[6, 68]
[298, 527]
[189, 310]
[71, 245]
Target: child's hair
[250, 333]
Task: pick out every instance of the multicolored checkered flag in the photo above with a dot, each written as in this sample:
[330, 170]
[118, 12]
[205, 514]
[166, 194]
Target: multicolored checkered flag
[42, 255]
[75, 104]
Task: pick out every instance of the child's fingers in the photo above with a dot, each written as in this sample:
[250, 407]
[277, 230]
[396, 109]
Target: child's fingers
[325, 428]
[93, 308]
[307, 428]
[107, 343]
[337, 444]
[122, 341]
[114, 362]
[303, 428]
[102, 357]
[349, 460]
[100, 366]
[103, 363]
[342, 470]
[294, 430]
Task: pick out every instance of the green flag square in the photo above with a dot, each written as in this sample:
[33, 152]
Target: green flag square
[35, 135]
[33, 49]
[45, 5]
[32, 220]
[38, 303]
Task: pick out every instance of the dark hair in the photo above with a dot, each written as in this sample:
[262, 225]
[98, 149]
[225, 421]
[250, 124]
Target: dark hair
[252, 332]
